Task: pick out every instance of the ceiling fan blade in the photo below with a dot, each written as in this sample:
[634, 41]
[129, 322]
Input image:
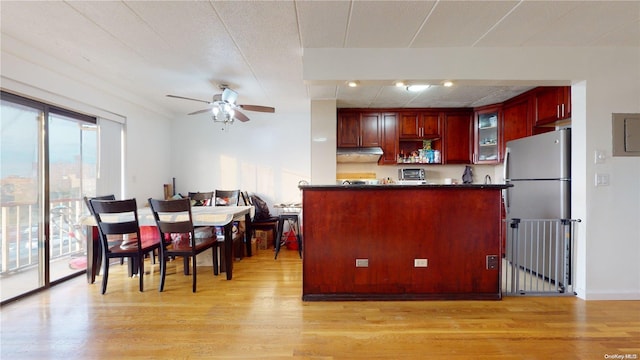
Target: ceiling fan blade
[229, 95]
[240, 116]
[259, 108]
[186, 98]
[199, 111]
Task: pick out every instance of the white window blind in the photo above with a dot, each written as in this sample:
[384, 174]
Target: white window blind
[109, 158]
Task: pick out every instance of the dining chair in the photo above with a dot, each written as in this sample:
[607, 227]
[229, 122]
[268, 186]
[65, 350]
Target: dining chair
[120, 218]
[201, 198]
[227, 197]
[97, 253]
[262, 220]
[174, 219]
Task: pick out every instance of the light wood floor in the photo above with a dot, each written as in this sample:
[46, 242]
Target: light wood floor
[259, 314]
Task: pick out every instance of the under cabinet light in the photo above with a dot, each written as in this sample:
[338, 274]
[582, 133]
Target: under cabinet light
[418, 87]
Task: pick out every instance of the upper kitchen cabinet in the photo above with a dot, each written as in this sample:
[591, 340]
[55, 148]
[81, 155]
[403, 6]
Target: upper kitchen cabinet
[487, 135]
[516, 119]
[389, 138]
[358, 129]
[552, 103]
[457, 137]
[419, 125]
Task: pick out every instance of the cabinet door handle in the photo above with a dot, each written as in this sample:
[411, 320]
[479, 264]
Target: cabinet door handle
[563, 114]
[557, 111]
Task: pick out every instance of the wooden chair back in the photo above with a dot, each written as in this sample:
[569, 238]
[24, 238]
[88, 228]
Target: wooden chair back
[245, 198]
[227, 197]
[123, 218]
[173, 216]
[201, 198]
[103, 197]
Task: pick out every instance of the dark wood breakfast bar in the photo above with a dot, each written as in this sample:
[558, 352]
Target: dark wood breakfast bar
[402, 242]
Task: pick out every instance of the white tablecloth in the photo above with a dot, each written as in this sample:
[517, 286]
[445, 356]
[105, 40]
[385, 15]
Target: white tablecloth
[202, 216]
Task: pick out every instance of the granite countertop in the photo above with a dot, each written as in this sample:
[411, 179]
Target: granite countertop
[396, 186]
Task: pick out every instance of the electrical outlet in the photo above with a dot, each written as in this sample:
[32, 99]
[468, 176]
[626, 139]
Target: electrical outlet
[362, 262]
[420, 262]
[602, 179]
[492, 262]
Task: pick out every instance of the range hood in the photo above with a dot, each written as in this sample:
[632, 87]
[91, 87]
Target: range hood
[358, 154]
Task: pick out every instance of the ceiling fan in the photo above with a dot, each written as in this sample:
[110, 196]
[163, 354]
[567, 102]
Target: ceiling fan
[224, 108]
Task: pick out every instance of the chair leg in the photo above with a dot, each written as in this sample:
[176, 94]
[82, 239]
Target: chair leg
[163, 271]
[105, 273]
[278, 239]
[141, 271]
[194, 273]
[214, 251]
[186, 265]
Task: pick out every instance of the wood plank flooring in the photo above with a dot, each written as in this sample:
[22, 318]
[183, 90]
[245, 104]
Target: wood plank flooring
[259, 315]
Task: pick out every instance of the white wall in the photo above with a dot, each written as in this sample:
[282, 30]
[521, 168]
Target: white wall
[323, 143]
[605, 81]
[268, 155]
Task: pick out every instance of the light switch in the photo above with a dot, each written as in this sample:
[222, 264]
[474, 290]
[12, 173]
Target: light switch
[599, 157]
[420, 262]
[362, 262]
[602, 179]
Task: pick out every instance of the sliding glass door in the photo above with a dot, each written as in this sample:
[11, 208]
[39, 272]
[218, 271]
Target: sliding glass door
[72, 175]
[48, 163]
[22, 230]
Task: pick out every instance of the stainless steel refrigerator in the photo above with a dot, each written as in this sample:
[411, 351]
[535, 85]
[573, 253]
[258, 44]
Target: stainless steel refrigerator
[539, 168]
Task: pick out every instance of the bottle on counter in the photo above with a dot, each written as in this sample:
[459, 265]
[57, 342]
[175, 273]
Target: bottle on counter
[428, 152]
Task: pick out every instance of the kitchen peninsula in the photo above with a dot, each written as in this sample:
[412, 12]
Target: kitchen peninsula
[401, 242]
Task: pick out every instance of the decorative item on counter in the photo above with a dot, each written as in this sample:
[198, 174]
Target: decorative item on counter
[429, 153]
[467, 176]
[387, 180]
[436, 156]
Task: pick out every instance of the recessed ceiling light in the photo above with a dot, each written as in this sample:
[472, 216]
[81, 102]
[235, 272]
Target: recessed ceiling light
[418, 87]
[353, 83]
[447, 83]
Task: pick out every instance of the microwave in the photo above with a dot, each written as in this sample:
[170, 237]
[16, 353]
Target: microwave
[411, 174]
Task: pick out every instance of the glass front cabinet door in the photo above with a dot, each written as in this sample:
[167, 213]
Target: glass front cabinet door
[487, 136]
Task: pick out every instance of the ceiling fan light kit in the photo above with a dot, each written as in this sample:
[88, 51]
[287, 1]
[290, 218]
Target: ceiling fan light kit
[222, 112]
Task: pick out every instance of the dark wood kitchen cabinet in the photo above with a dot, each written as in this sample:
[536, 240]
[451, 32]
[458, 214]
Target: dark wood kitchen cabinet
[389, 138]
[418, 125]
[358, 129]
[552, 103]
[516, 119]
[458, 133]
[486, 134]
[355, 250]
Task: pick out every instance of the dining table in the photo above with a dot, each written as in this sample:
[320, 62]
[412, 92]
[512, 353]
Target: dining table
[220, 216]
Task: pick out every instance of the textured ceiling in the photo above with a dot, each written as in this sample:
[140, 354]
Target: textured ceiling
[189, 48]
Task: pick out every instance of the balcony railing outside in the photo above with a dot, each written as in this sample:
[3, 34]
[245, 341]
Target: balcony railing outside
[20, 237]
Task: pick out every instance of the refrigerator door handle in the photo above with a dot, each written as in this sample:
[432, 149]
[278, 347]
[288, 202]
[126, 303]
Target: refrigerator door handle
[505, 176]
[505, 172]
[505, 200]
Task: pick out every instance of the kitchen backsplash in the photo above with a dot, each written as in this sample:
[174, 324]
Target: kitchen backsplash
[434, 173]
